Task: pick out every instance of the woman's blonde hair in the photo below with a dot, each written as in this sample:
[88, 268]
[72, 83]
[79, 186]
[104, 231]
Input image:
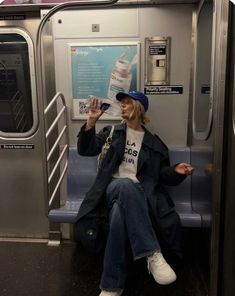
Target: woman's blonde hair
[139, 112]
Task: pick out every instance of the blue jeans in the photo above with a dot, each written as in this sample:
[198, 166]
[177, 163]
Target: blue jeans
[131, 234]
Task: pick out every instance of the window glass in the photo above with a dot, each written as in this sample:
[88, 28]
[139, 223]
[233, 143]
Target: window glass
[16, 115]
[202, 96]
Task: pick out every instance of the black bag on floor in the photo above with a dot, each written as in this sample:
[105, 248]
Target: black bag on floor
[92, 231]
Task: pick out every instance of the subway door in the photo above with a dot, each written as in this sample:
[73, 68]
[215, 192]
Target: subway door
[22, 198]
[227, 270]
[201, 133]
[201, 137]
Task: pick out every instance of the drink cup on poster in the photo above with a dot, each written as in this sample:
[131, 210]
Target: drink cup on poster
[120, 79]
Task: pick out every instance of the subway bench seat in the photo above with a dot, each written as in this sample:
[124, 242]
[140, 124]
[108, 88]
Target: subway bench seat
[81, 175]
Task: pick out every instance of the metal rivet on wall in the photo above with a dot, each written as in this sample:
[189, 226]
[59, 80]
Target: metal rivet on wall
[95, 27]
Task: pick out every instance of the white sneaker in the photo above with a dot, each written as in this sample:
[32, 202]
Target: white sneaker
[160, 269]
[106, 293]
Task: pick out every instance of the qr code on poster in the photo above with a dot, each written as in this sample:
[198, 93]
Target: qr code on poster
[83, 108]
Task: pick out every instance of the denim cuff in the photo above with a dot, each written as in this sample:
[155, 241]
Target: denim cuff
[146, 254]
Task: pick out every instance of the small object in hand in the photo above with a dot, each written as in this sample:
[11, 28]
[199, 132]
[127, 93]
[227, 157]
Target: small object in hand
[104, 106]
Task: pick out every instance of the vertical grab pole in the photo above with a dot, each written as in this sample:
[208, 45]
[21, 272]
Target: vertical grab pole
[54, 236]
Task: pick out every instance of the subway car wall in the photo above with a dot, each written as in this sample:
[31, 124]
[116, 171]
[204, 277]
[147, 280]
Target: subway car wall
[133, 25]
[188, 42]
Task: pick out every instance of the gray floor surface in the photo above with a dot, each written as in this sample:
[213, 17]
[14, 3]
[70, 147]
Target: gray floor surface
[35, 269]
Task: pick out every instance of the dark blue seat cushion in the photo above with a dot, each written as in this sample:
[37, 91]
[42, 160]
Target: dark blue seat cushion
[81, 175]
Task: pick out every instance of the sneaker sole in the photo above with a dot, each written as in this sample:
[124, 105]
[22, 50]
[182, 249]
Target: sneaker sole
[165, 281]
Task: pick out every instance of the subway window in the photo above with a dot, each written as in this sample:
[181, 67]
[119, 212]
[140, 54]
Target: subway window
[16, 104]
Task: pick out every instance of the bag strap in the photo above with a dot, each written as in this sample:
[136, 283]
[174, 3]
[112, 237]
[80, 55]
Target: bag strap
[105, 146]
[110, 136]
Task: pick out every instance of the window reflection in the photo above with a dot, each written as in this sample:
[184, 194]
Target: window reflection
[16, 114]
[202, 101]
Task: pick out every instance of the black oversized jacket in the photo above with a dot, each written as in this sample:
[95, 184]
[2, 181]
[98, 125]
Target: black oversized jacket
[153, 171]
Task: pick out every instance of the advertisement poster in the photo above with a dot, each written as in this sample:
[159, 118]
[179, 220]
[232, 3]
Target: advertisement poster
[102, 70]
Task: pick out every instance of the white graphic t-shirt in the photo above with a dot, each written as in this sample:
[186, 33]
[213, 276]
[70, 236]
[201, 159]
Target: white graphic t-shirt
[128, 167]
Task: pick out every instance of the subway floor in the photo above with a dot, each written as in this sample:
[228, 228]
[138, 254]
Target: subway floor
[36, 269]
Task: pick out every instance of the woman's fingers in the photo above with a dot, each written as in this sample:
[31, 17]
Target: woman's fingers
[184, 169]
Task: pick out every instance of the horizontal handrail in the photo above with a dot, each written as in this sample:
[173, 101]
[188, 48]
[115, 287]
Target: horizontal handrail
[64, 131]
[58, 183]
[54, 99]
[57, 163]
[55, 121]
[56, 142]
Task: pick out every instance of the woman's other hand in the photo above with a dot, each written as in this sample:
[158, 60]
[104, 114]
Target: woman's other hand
[184, 169]
[94, 113]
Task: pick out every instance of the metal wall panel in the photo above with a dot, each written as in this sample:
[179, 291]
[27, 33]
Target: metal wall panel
[169, 20]
[22, 198]
[78, 24]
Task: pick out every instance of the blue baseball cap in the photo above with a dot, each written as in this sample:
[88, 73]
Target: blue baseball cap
[135, 95]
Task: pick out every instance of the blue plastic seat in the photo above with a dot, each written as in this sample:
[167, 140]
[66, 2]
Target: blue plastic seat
[80, 176]
[193, 210]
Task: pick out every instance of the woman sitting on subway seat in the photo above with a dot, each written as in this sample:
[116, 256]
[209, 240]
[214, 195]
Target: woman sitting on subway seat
[129, 189]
